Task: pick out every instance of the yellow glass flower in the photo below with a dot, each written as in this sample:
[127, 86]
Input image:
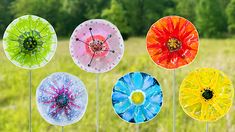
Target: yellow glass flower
[206, 94]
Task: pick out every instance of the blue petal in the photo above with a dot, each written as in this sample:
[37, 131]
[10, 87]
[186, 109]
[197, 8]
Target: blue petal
[137, 80]
[156, 98]
[128, 82]
[118, 97]
[122, 106]
[148, 81]
[121, 87]
[139, 116]
[153, 108]
[147, 113]
[151, 90]
[129, 114]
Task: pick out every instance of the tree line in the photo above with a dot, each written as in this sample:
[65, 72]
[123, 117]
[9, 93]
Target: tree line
[213, 18]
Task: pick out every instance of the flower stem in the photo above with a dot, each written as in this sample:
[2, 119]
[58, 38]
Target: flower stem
[173, 101]
[137, 128]
[30, 101]
[97, 102]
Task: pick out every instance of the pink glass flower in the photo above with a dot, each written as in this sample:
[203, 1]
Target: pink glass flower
[96, 46]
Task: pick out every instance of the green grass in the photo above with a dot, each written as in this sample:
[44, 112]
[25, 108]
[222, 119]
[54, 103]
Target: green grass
[14, 90]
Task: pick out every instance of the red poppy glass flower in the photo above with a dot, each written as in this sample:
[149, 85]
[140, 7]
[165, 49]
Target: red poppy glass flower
[172, 42]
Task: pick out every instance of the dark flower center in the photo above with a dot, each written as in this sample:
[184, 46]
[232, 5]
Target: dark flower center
[173, 44]
[207, 94]
[62, 100]
[96, 45]
[30, 43]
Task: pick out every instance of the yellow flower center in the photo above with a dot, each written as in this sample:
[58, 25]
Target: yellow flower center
[173, 44]
[137, 97]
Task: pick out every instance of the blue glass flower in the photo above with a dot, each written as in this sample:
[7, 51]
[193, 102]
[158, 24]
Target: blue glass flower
[137, 97]
[61, 99]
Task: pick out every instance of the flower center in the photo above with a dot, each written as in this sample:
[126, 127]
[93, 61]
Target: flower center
[30, 43]
[62, 100]
[137, 97]
[207, 94]
[173, 44]
[96, 45]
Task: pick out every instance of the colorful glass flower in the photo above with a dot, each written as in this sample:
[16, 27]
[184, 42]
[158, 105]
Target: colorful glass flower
[61, 99]
[206, 94]
[172, 42]
[137, 97]
[29, 42]
[96, 46]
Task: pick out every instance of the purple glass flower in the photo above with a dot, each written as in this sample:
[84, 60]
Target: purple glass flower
[61, 99]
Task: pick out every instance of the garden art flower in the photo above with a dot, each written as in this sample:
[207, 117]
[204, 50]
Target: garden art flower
[206, 94]
[61, 99]
[96, 46]
[29, 42]
[172, 42]
[137, 97]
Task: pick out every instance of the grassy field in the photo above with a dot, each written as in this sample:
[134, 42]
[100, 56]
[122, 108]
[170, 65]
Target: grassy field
[14, 97]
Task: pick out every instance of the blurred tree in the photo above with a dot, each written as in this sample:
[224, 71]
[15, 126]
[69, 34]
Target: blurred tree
[48, 9]
[95, 8]
[117, 16]
[71, 15]
[24, 7]
[156, 9]
[64, 15]
[142, 13]
[186, 9]
[135, 14]
[211, 18]
[5, 15]
[77, 11]
[230, 10]
[133, 17]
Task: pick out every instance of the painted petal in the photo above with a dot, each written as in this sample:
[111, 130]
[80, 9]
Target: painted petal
[122, 106]
[156, 98]
[149, 115]
[148, 81]
[121, 87]
[128, 82]
[152, 108]
[151, 90]
[129, 114]
[118, 97]
[137, 80]
[139, 116]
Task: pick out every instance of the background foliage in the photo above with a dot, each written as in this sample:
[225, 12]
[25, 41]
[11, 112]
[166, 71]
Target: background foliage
[14, 90]
[213, 18]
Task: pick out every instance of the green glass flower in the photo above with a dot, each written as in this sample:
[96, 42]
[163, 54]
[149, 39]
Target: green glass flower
[30, 42]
